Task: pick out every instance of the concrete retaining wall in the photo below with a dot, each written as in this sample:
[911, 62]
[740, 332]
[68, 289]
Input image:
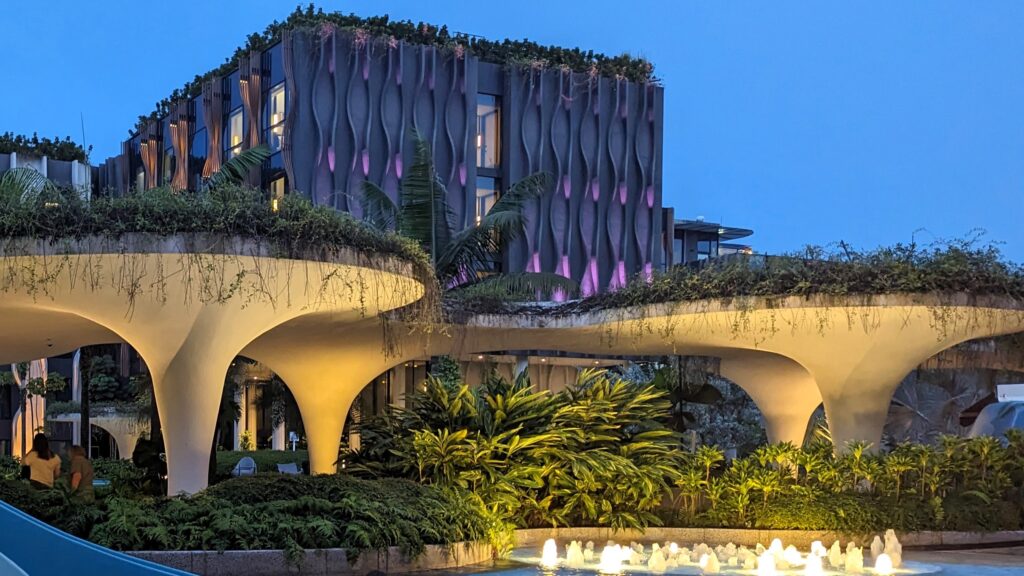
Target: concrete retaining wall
[330, 562]
[799, 538]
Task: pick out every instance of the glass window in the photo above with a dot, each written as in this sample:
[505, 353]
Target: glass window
[234, 135]
[707, 249]
[168, 165]
[486, 196]
[488, 123]
[274, 119]
[276, 192]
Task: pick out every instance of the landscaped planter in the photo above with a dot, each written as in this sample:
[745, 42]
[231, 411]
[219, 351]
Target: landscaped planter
[800, 538]
[320, 562]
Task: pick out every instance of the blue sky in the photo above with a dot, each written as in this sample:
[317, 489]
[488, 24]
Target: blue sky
[810, 122]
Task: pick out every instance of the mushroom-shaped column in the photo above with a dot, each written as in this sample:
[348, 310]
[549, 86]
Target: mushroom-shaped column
[859, 353]
[326, 362]
[783, 390]
[189, 305]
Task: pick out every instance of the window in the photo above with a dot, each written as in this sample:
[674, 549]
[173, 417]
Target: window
[197, 152]
[274, 119]
[707, 249]
[234, 136]
[168, 165]
[488, 123]
[276, 192]
[486, 196]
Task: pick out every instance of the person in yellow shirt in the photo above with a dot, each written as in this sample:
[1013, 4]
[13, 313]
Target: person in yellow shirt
[43, 464]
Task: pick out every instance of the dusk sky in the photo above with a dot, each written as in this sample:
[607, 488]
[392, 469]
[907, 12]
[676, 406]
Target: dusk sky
[810, 122]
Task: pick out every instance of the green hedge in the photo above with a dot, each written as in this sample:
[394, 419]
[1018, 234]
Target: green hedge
[268, 513]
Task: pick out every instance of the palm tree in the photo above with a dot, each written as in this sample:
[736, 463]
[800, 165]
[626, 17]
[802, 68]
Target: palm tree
[238, 168]
[462, 259]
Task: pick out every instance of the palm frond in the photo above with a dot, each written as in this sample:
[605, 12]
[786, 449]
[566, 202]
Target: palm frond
[522, 286]
[379, 210]
[425, 215]
[235, 170]
[529, 188]
[474, 249]
[21, 184]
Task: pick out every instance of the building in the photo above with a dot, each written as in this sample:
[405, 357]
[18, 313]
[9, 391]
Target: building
[697, 240]
[70, 173]
[338, 107]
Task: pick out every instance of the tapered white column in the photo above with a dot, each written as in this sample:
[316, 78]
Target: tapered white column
[783, 391]
[324, 411]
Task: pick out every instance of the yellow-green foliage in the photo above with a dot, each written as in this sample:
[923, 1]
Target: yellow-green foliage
[599, 453]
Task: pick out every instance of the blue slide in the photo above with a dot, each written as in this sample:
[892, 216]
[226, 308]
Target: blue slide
[34, 548]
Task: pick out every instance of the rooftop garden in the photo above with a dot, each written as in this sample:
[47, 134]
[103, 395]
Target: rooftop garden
[56, 149]
[506, 52]
[34, 209]
[965, 266]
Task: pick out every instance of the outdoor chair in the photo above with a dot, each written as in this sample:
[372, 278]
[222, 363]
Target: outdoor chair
[245, 467]
[289, 468]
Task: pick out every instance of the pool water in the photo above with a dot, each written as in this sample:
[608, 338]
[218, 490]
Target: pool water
[990, 562]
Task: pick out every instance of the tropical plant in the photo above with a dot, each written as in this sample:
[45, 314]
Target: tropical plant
[236, 169]
[463, 259]
[598, 453]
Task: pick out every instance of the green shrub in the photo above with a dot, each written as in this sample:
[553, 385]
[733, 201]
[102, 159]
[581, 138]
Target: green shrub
[598, 454]
[56, 149]
[10, 468]
[960, 266]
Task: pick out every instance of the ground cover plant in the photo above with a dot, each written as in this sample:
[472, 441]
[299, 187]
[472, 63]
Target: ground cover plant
[267, 512]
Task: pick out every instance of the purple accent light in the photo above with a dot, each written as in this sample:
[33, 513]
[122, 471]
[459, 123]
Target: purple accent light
[595, 189]
[622, 193]
[330, 157]
[566, 186]
[398, 164]
[366, 161]
[648, 271]
[650, 196]
[565, 266]
[462, 173]
[366, 67]
[534, 265]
